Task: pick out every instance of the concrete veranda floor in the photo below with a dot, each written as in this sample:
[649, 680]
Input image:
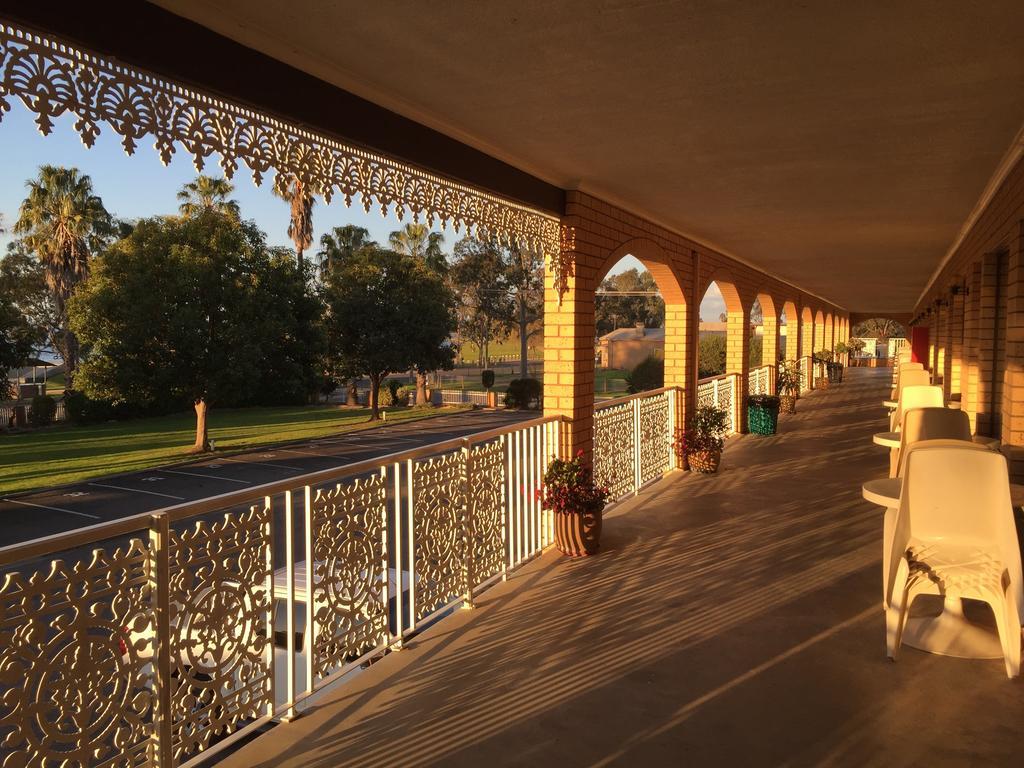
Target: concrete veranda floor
[729, 620]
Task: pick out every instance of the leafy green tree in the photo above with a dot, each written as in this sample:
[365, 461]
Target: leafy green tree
[179, 312]
[880, 328]
[341, 243]
[23, 282]
[476, 276]
[612, 311]
[207, 193]
[711, 355]
[62, 222]
[388, 312]
[418, 241]
[17, 340]
[300, 199]
[756, 351]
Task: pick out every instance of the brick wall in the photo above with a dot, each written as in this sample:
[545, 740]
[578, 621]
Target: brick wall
[683, 269]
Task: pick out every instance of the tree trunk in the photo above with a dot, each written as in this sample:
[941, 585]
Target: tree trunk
[421, 388]
[374, 398]
[524, 340]
[202, 435]
[353, 393]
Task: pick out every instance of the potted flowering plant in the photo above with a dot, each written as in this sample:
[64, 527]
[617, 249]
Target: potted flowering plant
[822, 365]
[700, 444]
[577, 501]
[787, 384]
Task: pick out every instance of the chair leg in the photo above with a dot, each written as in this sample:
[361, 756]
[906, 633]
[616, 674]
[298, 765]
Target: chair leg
[888, 523]
[895, 616]
[1009, 634]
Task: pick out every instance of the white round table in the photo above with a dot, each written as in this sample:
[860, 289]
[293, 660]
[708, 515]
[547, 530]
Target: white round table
[890, 404]
[950, 633]
[886, 439]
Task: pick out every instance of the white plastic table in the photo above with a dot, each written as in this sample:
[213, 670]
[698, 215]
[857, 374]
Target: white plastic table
[892, 440]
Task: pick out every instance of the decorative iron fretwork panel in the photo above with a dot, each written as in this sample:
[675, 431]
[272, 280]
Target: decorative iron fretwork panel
[486, 511]
[76, 641]
[53, 78]
[220, 645]
[349, 572]
[706, 393]
[724, 397]
[759, 381]
[655, 447]
[614, 449]
[439, 524]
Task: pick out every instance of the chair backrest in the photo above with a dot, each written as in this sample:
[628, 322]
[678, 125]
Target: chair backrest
[915, 396]
[960, 494]
[931, 424]
[912, 378]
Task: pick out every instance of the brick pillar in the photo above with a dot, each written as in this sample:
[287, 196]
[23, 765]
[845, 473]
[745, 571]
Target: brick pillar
[569, 357]
[829, 340]
[770, 341]
[819, 335]
[986, 342]
[680, 355]
[955, 355]
[941, 333]
[792, 337]
[807, 337]
[737, 360]
[970, 370]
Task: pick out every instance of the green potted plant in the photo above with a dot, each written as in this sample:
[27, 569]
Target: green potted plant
[835, 369]
[787, 385]
[763, 414]
[822, 358]
[700, 445]
[577, 502]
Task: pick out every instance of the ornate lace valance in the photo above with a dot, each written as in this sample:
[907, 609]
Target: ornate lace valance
[53, 78]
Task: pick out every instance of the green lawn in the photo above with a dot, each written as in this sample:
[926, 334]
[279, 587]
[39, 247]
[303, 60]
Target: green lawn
[67, 454]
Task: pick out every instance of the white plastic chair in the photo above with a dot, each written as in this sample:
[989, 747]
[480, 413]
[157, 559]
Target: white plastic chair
[955, 537]
[915, 396]
[901, 372]
[935, 425]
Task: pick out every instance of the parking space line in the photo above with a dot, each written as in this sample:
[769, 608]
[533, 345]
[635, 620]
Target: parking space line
[54, 509]
[207, 477]
[262, 464]
[136, 490]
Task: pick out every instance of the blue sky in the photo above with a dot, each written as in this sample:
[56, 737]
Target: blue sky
[138, 186]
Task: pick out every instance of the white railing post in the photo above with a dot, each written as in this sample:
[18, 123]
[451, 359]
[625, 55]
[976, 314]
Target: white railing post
[636, 446]
[672, 395]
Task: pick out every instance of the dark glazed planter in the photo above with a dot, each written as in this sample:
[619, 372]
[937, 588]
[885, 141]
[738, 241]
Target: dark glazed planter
[578, 535]
[762, 420]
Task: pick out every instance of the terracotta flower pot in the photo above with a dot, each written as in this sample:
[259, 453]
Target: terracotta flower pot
[578, 535]
[787, 403]
[821, 383]
[705, 462]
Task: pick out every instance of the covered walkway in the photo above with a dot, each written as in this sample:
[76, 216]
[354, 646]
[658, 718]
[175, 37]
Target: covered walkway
[730, 620]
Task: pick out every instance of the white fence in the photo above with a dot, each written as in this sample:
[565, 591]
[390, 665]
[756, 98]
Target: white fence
[720, 392]
[161, 638]
[633, 440]
[761, 380]
[806, 374]
[8, 418]
[461, 397]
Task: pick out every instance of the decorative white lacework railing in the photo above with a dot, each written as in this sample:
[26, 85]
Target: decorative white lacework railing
[161, 638]
[806, 381]
[761, 380]
[633, 440]
[720, 391]
[820, 371]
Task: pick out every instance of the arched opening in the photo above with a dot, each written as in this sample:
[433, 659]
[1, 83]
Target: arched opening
[819, 331]
[829, 342]
[721, 315]
[789, 327]
[640, 315]
[764, 331]
[875, 341]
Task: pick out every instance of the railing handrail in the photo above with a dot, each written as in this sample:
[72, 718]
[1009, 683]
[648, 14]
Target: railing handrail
[13, 553]
[635, 396]
[715, 378]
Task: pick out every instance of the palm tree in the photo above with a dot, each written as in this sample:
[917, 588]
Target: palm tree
[418, 241]
[298, 195]
[63, 223]
[208, 194]
[342, 243]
